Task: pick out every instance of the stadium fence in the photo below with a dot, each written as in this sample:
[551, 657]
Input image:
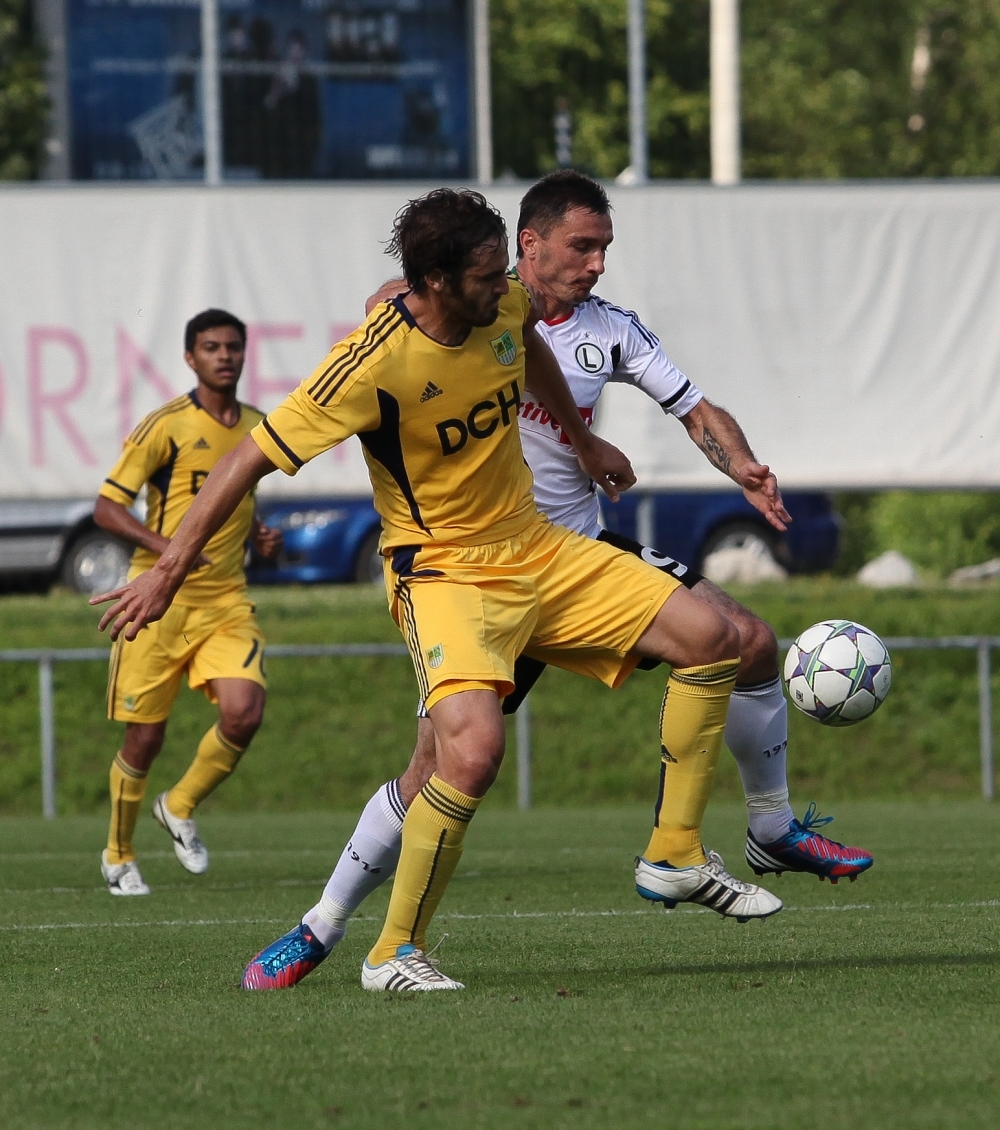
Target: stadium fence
[46, 657]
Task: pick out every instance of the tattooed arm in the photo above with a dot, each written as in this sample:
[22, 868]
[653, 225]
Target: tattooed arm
[725, 446]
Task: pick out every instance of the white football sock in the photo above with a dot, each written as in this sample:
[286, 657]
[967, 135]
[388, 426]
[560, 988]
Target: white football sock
[757, 735]
[368, 860]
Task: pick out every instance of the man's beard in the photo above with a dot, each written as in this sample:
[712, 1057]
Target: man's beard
[474, 315]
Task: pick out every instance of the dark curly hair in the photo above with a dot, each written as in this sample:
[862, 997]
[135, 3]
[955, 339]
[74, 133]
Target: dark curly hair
[546, 203]
[210, 320]
[441, 232]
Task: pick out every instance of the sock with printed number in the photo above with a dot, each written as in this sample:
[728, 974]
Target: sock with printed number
[368, 860]
[433, 835]
[757, 736]
[128, 787]
[215, 760]
[692, 720]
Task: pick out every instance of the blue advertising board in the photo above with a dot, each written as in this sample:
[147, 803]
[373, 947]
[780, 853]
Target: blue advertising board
[310, 89]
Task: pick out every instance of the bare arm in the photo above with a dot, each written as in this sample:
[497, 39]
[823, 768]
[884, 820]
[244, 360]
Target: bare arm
[602, 461]
[117, 520]
[145, 599]
[725, 446]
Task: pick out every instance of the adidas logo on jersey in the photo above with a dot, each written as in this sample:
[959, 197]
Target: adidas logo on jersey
[201, 445]
[430, 392]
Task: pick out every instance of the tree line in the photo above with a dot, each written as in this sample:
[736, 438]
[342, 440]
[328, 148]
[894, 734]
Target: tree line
[831, 88]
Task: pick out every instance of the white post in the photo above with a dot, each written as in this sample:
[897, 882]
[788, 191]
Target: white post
[638, 138]
[51, 22]
[724, 67]
[645, 521]
[483, 97]
[985, 719]
[48, 733]
[523, 717]
[211, 98]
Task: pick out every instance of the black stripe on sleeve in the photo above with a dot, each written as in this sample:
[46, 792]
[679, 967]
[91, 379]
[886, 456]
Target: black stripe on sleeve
[322, 383]
[292, 457]
[667, 404]
[336, 380]
[145, 426]
[124, 490]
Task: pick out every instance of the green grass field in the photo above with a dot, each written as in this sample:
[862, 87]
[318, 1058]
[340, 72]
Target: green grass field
[336, 728]
[865, 1005]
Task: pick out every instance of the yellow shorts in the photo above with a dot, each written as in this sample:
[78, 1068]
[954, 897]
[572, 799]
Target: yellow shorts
[208, 643]
[467, 613]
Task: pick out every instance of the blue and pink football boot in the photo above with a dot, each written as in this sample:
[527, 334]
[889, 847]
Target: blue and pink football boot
[802, 848]
[286, 961]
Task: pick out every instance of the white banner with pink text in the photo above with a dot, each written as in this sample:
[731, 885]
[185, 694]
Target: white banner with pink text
[853, 330]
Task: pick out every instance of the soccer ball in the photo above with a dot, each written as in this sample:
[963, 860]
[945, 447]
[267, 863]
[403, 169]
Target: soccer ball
[838, 672]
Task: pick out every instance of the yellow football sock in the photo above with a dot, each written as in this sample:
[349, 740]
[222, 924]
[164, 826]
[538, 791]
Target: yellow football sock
[433, 834]
[128, 787]
[692, 720]
[215, 760]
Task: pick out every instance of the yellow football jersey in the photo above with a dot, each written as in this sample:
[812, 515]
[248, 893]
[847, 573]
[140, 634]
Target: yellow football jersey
[172, 451]
[438, 424]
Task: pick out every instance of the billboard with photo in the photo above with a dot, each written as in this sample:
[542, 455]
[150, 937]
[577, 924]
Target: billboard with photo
[325, 89]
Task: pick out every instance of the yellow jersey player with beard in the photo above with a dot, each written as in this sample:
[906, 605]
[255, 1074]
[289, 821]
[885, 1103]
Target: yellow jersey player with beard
[475, 575]
[211, 632]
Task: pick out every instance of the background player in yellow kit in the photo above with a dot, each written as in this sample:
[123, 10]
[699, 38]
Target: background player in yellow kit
[210, 631]
[475, 576]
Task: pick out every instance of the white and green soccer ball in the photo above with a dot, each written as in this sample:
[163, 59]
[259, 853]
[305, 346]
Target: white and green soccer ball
[838, 672]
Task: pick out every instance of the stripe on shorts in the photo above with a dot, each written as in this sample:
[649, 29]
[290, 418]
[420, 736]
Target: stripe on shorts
[413, 639]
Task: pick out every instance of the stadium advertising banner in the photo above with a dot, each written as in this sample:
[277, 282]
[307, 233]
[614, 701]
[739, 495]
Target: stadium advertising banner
[853, 331]
[310, 89]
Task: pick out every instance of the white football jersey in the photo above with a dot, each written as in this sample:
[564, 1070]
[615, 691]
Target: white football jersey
[597, 343]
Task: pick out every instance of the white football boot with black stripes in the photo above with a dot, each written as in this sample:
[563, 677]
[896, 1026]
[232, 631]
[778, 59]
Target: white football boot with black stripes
[708, 884]
[410, 971]
[190, 851]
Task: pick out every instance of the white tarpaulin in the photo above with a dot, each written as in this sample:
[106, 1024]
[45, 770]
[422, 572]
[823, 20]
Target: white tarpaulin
[852, 330]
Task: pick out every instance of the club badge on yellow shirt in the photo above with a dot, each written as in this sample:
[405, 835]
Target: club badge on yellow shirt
[504, 348]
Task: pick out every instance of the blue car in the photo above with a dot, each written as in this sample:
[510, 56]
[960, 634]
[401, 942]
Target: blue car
[689, 526]
[327, 541]
[336, 540]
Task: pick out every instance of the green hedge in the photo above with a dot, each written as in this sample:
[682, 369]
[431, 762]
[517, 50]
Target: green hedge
[939, 531]
[336, 728]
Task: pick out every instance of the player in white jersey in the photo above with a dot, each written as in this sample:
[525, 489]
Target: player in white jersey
[595, 342]
[564, 231]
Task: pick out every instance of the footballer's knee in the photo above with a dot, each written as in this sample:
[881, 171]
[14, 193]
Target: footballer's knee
[241, 709]
[721, 641]
[688, 632]
[474, 764]
[758, 643]
[470, 740]
[241, 720]
[758, 650]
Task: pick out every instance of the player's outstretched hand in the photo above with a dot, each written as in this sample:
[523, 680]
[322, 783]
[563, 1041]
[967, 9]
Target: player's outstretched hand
[760, 488]
[138, 603]
[607, 466]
